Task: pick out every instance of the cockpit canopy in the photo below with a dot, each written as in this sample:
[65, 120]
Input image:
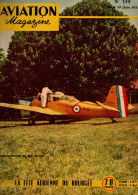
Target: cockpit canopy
[60, 97]
[64, 97]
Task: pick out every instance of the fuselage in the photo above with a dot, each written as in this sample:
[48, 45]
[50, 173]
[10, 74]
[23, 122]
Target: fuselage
[75, 108]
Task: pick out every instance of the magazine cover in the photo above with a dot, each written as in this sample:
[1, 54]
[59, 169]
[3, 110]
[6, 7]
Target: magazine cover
[68, 96]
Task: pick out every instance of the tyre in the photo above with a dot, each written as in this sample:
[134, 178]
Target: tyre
[51, 120]
[31, 121]
[113, 121]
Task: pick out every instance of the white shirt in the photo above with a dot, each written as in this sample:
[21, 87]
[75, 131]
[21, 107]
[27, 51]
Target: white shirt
[46, 90]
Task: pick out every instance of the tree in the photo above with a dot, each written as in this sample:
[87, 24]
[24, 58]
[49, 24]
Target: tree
[2, 60]
[97, 53]
[21, 60]
[2, 77]
[86, 54]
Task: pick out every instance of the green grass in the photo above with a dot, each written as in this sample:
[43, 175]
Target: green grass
[88, 149]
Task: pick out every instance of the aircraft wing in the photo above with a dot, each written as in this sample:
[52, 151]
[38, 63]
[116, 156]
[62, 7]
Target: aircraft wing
[107, 107]
[46, 111]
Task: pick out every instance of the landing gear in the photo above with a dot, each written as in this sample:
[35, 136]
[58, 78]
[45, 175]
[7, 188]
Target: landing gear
[113, 121]
[31, 121]
[51, 120]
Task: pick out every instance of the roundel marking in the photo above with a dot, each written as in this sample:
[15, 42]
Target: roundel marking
[76, 109]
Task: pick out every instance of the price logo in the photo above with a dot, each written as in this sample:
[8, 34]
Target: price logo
[109, 183]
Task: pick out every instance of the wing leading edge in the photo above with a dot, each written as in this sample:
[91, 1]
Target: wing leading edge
[33, 109]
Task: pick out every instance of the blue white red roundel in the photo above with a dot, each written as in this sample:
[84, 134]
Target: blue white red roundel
[76, 109]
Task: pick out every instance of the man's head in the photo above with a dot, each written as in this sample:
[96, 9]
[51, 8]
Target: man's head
[46, 84]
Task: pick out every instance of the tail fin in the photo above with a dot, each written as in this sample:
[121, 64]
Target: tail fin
[117, 98]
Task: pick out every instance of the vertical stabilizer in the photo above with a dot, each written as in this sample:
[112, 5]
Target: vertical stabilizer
[117, 98]
[122, 101]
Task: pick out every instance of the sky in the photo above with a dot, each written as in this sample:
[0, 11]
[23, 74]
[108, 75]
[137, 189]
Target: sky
[5, 36]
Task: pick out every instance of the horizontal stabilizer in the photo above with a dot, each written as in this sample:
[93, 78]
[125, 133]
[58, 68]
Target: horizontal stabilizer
[107, 107]
[130, 107]
[90, 103]
[46, 111]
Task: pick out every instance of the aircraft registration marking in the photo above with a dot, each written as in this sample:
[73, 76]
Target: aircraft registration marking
[86, 109]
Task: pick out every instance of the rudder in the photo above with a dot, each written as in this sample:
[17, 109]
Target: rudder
[122, 101]
[117, 98]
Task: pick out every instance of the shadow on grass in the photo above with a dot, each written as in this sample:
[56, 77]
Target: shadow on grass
[105, 123]
[44, 123]
[69, 121]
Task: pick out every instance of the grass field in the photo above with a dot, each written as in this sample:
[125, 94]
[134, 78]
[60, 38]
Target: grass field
[87, 149]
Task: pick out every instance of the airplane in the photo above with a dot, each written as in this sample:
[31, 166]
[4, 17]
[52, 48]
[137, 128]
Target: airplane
[115, 106]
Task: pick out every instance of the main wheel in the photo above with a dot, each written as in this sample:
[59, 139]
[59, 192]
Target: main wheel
[31, 121]
[51, 120]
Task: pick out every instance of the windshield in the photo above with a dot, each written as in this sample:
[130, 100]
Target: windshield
[74, 100]
[65, 97]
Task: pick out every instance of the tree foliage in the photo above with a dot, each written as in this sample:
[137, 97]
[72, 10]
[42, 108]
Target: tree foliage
[2, 77]
[85, 54]
[2, 60]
